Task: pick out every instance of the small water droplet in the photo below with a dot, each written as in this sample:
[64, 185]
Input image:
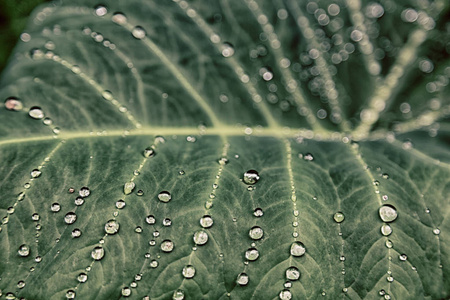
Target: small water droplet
[79, 201]
[252, 254]
[258, 212]
[385, 197]
[251, 177]
[256, 233]
[167, 222]
[242, 279]
[150, 219]
[167, 246]
[188, 271]
[140, 193]
[98, 253]
[101, 10]
[227, 50]
[126, 292]
[36, 113]
[297, 249]
[70, 294]
[128, 187]
[436, 231]
[339, 217]
[308, 157]
[385, 175]
[292, 273]
[285, 295]
[21, 284]
[390, 278]
[206, 221]
[138, 229]
[82, 277]
[36, 173]
[13, 103]
[389, 244]
[120, 204]
[76, 233]
[178, 295]
[35, 217]
[55, 207]
[47, 121]
[164, 196]
[154, 263]
[149, 152]
[70, 218]
[84, 192]
[223, 161]
[138, 32]
[200, 237]
[388, 213]
[24, 250]
[403, 257]
[112, 227]
[119, 18]
[386, 229]
[181, 172]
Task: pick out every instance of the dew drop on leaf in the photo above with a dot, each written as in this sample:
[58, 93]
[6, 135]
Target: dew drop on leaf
[112, 227]
[36, 173]
[79, 201]
[252, 254]
[120, 204]
[119, 18]
[36, 113]
[21, 284]
[242, 279]
[403, 257]
[436, 231]
[154, 264]
[297, 249]
[150, 219]
[164, 196]
[227, 50]
[82, 277]
[76, 233]
[178, 295]
[339, 217]
[101, 10]
[167, 222]
[140, 193]
[138, 32]
[84, 192]
[200, 237]
[70, 218]
[167, 246]
[13, 103]
[256, 233]
[251, 177]
[188, 271]
[258, 212]
[223, 161]
[292, 273]
[126, 291]
[24, 250]
[308, 157]
[388, 213]
[35, 217]
[70, 294]
[285, 295]
[149, 152]
[128, 187]
[98, 253]
[389, 244]
[386, 230]
[206, 221]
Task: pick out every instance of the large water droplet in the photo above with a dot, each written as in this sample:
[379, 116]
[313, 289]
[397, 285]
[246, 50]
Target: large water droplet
[164, 196]
[338, 217]
[13, 103]
[242, 279]
[256, 233]
[292, 273]
[98, 253]
[24, 250]
[112, 227]
[206, 221]
[188, 271]
[297, 249]
[84, 192]
[36, 113]
[167, 246]
[70, 218]
[388, 213]
[128, 187]
[178, 295]
[200, 237]
[251, 177]
[252, 254]
[285, 295]
[138, 32]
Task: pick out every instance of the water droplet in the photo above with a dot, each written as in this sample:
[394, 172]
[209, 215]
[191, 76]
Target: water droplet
[149, 152]
[223, 161]
[154, 263]
[385, 176]
[36, 173]
[251, 177]
[76, 233]
[55, 207]
[164, 196]
[342, 258]
[119, 18]
[258, 212]
[35, 217]
[128, 187]
[389, 244]
[140, 193]
[339, 217]
[436, 231]
[297, 249]
[120, 204]
[390, 278]
[27, 185]
[84, 192]
[188, 271]
[242, 279]
[285, 295]
[138, 229]
[167, 222]
[38, 259]
[256, 233]
[70, 294]
[167, 246]
[178, 295]
[200, 237]
[21, 284]
[112, 227]
[70, 218]
[252, 254]
[36, 113]
[138, 32]
[98, 253]
[20, 196]
[227, 50]
[13, 103]
[79, 201]
[292, 273]
[181, 172]
[82, 277]
[403, 257]
[308, 157]
[126, 291]
[206, 221]
[388, 213]
[386, 229]
[24, 250]
[385, 197]
[150, 219]
[101, 10]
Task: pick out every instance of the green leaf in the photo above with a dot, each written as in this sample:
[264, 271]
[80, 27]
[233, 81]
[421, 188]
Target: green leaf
[227, 150]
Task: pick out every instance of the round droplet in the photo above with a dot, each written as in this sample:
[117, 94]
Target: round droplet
[138, 32]
[128, 187]
[297, 249]
[149, 152]
[178, 295]
[223, 161]
[101, 10]
[285, 295]
[386, 229]
[70, 218]
[258, 212]
[76, 233]
[188, 271]
[150, 219]
[292, 273]
[167, 246]
[200, 237]
[436, 231]
[13, 103]
[119, 18]
[112, 227]
[36, 113]
[227, 50]
[140, 193]
[138, 229]
[251, 177]
[206, 221]
[338, 217]
[256, 233]
[126, 292]
[242, 279]
[164, 196]
[70, 294]
[167, 222]
[35, 217]
[98, 253]
[79, 201]
[252, 254]
[36, 173]
[120, 204]
[55, 207]
[403, 257]
[24, 250]
[154, 263]
[388, 213]
[21, 284]
[308, 157]
[84, 192]
[82, 277]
